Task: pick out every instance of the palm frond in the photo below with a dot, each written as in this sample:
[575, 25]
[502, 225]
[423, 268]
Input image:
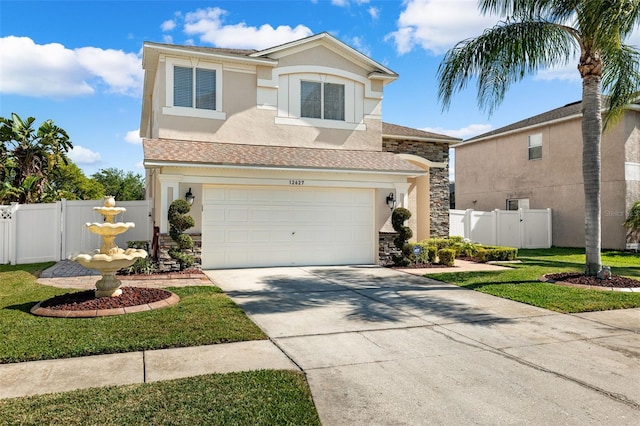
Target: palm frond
[557, 11]
[620, 80]
[502, 55]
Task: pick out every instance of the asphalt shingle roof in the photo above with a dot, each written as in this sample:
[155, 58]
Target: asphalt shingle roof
[227, 154]
[389, 129]
[555, 114]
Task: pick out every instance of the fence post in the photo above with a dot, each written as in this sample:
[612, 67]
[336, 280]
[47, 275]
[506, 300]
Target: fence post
[549, 229]
[521, 228]
[61, 224]
[13, 241]
[494, 234]
[468, 213]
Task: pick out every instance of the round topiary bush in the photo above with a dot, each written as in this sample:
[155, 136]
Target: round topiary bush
[179, 222]
[398, 218]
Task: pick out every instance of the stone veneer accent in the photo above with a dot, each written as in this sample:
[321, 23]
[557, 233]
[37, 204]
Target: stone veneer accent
[386, 248]
[438, 178]
[166, 263]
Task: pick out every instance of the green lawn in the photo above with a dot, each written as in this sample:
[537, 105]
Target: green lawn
[248, 398]
[204, 316]
[521, 282]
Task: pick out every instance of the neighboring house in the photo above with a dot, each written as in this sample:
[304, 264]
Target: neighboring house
[537, 163]
[285, 152]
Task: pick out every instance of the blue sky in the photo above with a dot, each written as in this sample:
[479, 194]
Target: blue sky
[79, 62]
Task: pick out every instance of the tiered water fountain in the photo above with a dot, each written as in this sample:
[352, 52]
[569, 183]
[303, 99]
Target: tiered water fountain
[109, 258]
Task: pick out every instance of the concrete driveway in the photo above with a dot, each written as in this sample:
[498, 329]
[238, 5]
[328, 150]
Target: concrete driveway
[382, 347]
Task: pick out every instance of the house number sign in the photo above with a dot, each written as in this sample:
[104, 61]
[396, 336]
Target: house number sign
[296, 182]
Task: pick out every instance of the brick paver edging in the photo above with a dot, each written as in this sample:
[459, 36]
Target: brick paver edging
[46, 312]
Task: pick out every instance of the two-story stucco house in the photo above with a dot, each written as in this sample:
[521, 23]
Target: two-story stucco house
[537, 163]
[283, 151]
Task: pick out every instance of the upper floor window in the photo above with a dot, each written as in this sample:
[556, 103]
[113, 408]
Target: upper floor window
[193, 89]
[201, 95]
[535, 146]
[322, 100]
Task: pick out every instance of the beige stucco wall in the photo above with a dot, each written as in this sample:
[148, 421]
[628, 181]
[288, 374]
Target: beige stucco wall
[492, 171]
[246, 123]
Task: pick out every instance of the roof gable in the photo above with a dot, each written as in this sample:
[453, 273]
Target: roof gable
[330, 42]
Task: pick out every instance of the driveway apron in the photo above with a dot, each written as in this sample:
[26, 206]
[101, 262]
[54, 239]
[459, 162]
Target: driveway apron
[382, 347]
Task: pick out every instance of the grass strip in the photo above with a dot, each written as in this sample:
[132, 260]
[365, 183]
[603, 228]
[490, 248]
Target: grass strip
[204, 316]
[264, 397]
[520, 283]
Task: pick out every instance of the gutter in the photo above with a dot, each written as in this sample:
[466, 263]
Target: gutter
[152, 163]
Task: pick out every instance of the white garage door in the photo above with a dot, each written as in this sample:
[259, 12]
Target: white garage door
[269, 226]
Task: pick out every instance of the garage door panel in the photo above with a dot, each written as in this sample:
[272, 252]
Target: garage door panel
[237, 215]
[262, 226]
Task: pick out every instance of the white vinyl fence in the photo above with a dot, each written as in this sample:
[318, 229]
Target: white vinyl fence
[522, 228]
[50, 232]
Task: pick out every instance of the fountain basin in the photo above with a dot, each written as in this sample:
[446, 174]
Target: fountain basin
[108, 265]
[108, 229]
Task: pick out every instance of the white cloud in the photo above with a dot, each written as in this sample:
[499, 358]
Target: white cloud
[463, 133]
[437, 25]
[122, 72]
[52, 70]
[168, 25]
[82, 155]
[209, 26]
[133, 137]
[140, 165]
[340, 3]
[358, 44]
[374, 12]
[567, 72]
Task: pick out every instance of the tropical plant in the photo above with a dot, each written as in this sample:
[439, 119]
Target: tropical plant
[633, 220]
[541, 33]
[28, 157]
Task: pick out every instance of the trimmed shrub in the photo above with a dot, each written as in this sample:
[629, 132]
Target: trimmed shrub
[179, 222]
[446, 256]
[432, 253]
[409, 252]
[496, 254]
[398, 218]
[467, 249]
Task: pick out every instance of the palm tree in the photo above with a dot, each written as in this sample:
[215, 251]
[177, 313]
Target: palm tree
[30, 156]
[538, 34]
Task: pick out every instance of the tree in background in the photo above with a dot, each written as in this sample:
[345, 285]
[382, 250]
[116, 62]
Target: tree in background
[69, 182]
[123, 186]
[542, 33]
[28, 158]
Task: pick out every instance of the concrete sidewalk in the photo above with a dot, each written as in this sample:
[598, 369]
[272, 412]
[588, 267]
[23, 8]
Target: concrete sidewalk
[61, 375]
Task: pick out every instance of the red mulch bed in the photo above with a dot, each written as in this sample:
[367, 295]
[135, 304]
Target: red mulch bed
[86, 300]
[578, 278]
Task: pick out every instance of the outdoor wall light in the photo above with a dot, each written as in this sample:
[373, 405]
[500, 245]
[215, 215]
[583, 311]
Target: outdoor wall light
[391, 201]
[189, 197]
